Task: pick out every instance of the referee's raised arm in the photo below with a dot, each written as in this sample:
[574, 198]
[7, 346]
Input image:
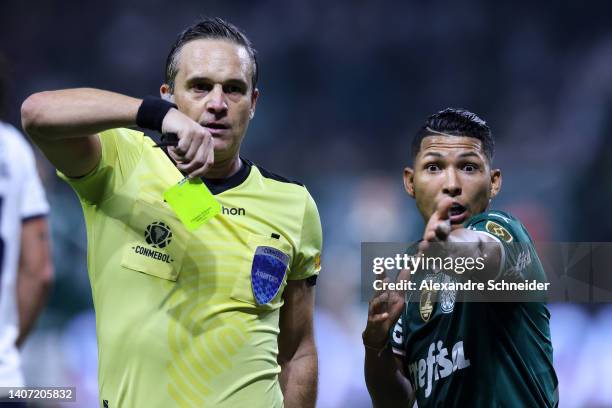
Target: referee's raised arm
[65, 125]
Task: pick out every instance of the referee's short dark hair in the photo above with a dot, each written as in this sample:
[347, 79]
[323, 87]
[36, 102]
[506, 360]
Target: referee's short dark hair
[456, 122]
[209, 28]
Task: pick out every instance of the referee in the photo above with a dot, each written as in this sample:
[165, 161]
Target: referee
[221, 316]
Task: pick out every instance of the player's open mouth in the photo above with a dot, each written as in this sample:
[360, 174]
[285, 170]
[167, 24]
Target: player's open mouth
[458, 213]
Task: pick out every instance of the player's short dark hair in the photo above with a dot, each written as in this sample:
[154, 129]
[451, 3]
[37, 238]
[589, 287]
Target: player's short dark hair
[209, 28]
[456, 122]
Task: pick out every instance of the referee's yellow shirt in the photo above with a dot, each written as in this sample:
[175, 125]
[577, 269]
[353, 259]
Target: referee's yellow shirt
[177, 320]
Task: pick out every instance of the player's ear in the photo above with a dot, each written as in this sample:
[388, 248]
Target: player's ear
[409, 181]
[496, 182]
[254, 97]
[165, 93]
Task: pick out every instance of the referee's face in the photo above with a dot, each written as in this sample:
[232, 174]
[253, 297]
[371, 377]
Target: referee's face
[455, 167]
[213, 87]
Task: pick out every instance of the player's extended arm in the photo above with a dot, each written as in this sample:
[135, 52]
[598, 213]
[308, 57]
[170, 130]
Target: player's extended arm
[35, 274]
[297, 353]
[65, 124]
[469, 244]
[384, 376]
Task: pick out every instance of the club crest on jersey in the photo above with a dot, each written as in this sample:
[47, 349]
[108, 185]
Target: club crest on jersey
[158, 235]
[428, 298]
[447, 298]
[499, 231]
[267, 273]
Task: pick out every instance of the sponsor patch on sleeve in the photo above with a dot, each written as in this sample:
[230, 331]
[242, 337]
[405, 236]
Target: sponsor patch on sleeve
[499, 231]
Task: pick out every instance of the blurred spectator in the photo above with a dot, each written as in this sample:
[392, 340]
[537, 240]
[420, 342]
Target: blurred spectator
[26, 270]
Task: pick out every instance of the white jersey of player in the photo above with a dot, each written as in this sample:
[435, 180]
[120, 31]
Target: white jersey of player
[21, 198]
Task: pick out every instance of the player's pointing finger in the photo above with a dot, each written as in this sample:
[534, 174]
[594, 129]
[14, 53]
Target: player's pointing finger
[443, 208]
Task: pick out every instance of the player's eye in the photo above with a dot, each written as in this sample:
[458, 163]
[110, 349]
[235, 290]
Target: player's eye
[470, 167]
[432, 167]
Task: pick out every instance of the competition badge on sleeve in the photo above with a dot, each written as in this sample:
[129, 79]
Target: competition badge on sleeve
[267, 273]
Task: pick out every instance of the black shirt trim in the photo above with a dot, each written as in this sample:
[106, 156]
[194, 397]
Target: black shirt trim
[312, 280]
[268, 174]
[217, 186]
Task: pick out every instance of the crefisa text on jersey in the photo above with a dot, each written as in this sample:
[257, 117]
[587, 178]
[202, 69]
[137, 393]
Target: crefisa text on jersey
[437, 365]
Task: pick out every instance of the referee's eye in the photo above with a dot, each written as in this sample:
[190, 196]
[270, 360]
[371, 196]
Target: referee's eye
[202, 87]
[233, 89]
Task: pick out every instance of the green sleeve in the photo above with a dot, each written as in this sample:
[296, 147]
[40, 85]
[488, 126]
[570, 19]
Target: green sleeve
[517, 247]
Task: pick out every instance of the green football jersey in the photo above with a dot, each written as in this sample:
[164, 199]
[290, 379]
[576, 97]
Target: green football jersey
[480, 354]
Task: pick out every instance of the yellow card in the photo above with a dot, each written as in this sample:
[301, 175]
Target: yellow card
[192, 202]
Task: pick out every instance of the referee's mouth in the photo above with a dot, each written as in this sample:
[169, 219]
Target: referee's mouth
[216, 128]
[458, 213]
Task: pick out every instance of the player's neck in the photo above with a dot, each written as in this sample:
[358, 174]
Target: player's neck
[224, 169]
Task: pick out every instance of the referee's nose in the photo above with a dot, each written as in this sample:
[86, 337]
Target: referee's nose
[216, 103]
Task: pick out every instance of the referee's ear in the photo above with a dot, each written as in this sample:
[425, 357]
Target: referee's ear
[254, 96]
[165, 93]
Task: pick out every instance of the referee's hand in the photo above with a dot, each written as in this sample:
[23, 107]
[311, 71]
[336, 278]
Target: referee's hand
[195, 153]
[384, 309]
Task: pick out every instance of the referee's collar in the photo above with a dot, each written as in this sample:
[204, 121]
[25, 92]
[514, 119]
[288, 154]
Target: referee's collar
[217, 186]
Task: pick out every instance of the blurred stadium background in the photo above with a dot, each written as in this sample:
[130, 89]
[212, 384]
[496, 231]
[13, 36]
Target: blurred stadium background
[344, 86]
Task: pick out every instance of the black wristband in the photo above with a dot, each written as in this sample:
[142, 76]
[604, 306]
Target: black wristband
[152, 112]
